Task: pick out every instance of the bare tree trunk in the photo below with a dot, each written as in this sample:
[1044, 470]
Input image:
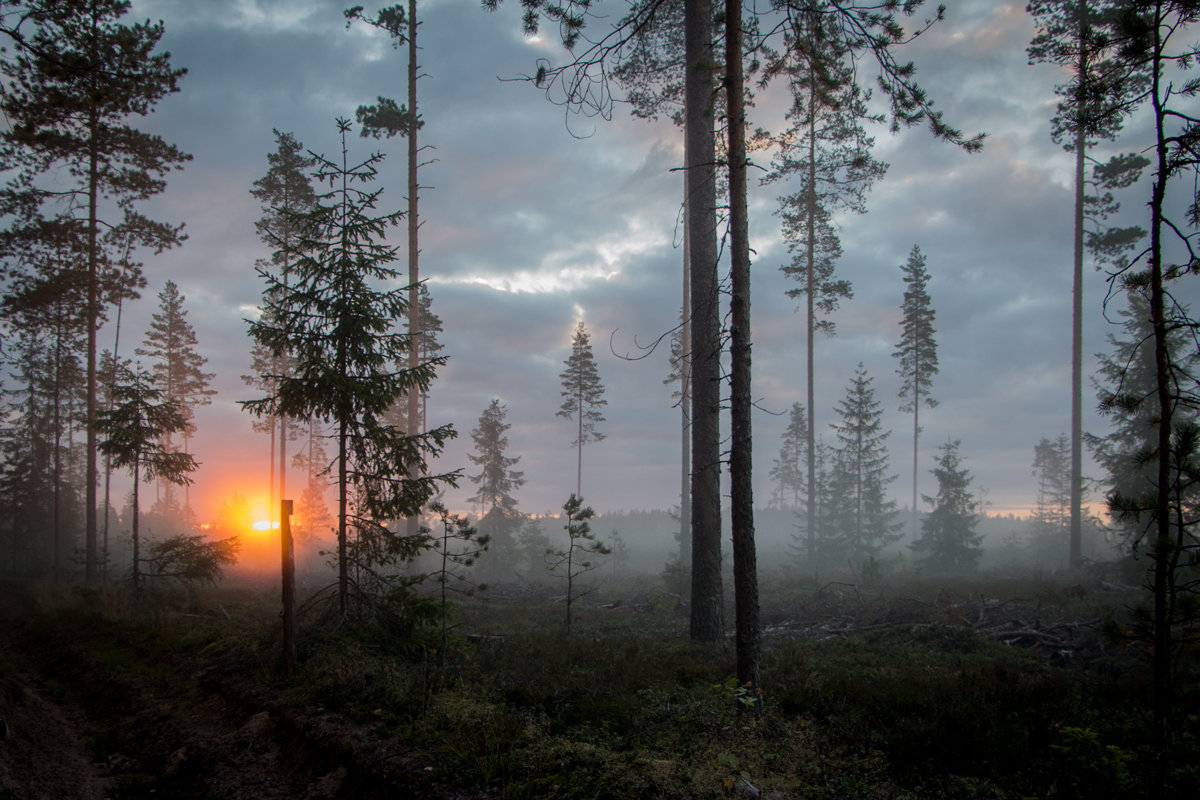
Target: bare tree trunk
[93, 322]
[1075, 537]
[1161, 669]
[701, 64]
[414, 305]
[343, 555]
[685, 411]
[810, 325]
[579, 445]
[745, 571]
[916, 436]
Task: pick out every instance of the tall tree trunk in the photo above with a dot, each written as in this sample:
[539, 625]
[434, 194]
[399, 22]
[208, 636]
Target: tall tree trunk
[916, 436]
[685, 408]
[745, 571]
[706, 605]
[1075, 537]
[343, 555]
[276, 421]
[579, 445]
[1162, 704]
[57, 490]
[414, 305]
[137, 547]
[810, 298]
[93, 323]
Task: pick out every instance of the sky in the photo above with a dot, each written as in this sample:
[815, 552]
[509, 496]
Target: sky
[533, 219]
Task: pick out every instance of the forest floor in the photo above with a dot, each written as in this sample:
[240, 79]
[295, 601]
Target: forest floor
[93, 708]
[983, 690]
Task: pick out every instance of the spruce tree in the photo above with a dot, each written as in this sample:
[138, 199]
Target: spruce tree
[134, 431]
[862, 516]
[176, 367]
[917, 352]
[827, 151]
[583, 395]
[1052, 509]
[337, 320]
[79, 166]
[497, 479]
[789, 468]
[948, 541]
[285, 193]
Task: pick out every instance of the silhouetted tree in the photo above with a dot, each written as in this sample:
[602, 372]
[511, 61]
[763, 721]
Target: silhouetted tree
[583, 395]
[175, 365]
[71, 91]
[862, 516]
[337, 322]
[135, 431]
[1051, 513]
[917, 352]
[574, 560]
[828, 151]
[948, 540]
[788, 470]
[1077, 34]
[284, 193]
[497, 479]
[458, 545]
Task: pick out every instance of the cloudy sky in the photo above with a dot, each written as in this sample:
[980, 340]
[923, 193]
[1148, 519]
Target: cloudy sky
[534, 219]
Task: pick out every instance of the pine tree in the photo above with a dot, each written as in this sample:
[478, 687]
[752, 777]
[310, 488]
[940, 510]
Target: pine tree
[788, 469]
[141, 420]
[496, 480]
[863, 518]
[828, 150]
[175, 365]
[313, 513]
[69, 96]
[1051, 514]
[573, 561]
[1077, 34]
[948, 540]
[428, 345]
[285, 193]
[917, 352]
[27, 484]
[583, 394]
[337, 323]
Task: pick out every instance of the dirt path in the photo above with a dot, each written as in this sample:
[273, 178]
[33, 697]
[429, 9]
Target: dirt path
[42, 751]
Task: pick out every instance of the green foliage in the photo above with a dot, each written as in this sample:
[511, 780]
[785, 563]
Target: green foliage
[583, 394]
[136, 428]
[1092, 769]
[337, 320]
[497, 480]
[788, 468]
[575, 560]
[860, 520]
[948, 540]
[191, 558]
[917, 350]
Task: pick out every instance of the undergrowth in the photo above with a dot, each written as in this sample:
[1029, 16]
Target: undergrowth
[627, 707]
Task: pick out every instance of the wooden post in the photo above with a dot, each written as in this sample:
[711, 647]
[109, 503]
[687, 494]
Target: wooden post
[289, 586]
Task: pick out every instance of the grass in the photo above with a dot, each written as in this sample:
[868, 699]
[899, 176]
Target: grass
[627, 707]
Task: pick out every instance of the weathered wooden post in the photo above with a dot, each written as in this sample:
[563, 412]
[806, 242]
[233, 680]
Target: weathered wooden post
[289, 586]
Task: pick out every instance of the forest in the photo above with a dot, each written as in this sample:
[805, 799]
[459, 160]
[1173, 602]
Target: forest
[383, 413]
